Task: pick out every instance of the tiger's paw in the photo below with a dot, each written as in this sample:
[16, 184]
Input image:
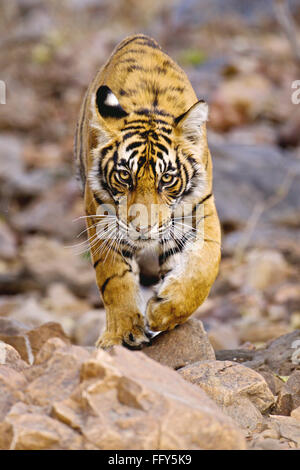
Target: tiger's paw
[136, 338]
[163, 315]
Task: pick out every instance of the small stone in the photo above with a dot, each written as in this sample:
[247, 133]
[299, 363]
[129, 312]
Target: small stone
[6, 435]
[296, 413]
[223, 337]
[89, 327]
[10, 357]
[265, 268]
[289, 396]
[61, 301]
[261, 331]
[50, 261]
[31, 313]
[11, 385]
[241, 392]
[28, 342]
[275, 384]
[32, 430]
[8, 244]
[184, 345]
[289, 428]
[58, 373]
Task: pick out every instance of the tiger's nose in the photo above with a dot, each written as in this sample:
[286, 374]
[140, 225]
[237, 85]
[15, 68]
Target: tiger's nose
[143, 230]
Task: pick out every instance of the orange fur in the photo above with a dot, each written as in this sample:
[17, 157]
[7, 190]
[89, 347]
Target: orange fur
[141, 140]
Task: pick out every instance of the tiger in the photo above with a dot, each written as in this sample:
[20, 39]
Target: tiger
[141, 144]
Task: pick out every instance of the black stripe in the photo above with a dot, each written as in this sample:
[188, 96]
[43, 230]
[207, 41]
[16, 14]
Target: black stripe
[166, 254]
[127, 128]
[105, 150]
[133, 68]
[167, 130]
[130, 134]
[127, 254]
[148, 42]
[202, 201]
[166, 139]
[104, 285]
[98, 200]
[134, 145]
[135, 38]
[162, 148]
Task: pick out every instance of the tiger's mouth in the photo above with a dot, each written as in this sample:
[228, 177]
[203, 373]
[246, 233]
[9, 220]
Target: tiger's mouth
[144, 235]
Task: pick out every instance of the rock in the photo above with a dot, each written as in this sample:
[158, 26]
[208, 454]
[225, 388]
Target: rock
[275, 384]
[73, 399]
[153, 407]
[10, 357]
[12, 147]
[288, 133]
[9, 303]
[62, 301]
[52, 213]
[243, 394]
[223, 337]
[8, 243]
[30, 312]
[49, 261]
[295, 320]
[57, 372]
[32, 430]
[239, 100]
[254, 134]
[289, 428]
[289, 396]
[296, 414]
[254, 331]
[184, 345]
[15, 180]
[6, 435]
[261, 443]
[281, 356]
[26, 341]
[89, 327]
[254, 12]
[288, 293]
[265, 268]
[276, 435]
[12, 384]
[258, 173]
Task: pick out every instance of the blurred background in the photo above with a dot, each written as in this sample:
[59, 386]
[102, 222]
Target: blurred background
[242, 57]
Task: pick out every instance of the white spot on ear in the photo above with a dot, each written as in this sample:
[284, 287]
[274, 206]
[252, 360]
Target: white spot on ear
[111, 100]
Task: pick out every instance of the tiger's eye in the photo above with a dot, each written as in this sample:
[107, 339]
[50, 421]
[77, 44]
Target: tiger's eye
[124, 175]
[167, 178]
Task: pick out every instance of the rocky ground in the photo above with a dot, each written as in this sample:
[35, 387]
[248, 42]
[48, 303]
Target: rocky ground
[236, 386]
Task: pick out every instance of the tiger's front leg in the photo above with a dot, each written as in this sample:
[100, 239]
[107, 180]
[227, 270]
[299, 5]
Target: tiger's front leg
[117, 280]
[190, 275]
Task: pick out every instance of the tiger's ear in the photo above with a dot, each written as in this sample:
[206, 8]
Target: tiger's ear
[108, 105]
[190, 123]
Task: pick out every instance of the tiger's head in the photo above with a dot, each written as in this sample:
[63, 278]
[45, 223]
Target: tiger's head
[147, 163]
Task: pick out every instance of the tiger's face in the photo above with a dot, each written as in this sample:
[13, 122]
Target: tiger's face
[148, 164]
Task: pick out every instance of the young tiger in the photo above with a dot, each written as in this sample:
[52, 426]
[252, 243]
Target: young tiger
[143, 158]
